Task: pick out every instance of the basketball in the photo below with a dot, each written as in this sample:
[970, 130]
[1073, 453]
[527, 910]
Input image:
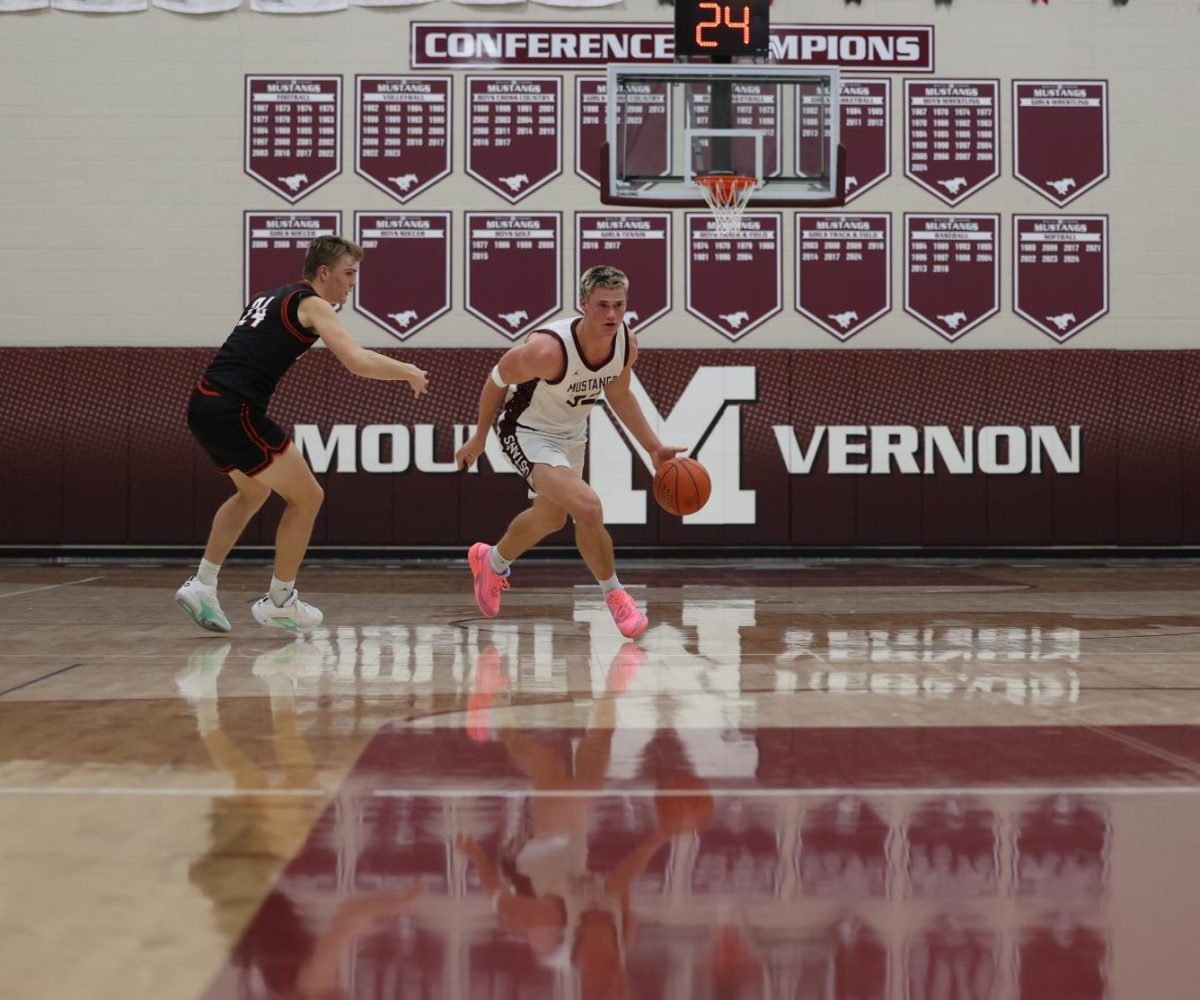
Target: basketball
[683, 804]
[682, 486]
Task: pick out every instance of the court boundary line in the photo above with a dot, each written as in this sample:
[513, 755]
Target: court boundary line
[50, 586]
[38, 680]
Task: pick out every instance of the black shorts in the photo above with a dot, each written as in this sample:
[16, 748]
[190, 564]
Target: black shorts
[236, 435]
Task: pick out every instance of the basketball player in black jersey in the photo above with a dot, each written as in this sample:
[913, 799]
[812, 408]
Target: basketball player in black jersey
[227, 414]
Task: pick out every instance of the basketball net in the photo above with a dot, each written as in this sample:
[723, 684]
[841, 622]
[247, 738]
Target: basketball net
[727, 196]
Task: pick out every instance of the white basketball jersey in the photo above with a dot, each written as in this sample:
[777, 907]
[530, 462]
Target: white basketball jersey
[561, 408]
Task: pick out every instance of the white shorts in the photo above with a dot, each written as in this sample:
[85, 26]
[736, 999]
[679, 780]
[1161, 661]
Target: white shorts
[525, 448]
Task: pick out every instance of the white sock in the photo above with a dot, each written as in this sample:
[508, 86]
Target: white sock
[498, 563]
[280, 590]
[612, 583]
[207, 573]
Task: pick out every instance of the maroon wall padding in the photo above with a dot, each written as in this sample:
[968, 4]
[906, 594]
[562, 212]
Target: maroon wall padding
[96, 449]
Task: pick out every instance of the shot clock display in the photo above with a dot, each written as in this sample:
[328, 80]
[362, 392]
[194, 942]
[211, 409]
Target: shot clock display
[722, 27]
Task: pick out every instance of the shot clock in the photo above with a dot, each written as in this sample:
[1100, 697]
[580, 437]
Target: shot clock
[722, 27]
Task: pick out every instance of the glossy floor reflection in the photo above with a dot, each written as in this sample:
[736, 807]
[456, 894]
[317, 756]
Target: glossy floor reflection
[824, 781]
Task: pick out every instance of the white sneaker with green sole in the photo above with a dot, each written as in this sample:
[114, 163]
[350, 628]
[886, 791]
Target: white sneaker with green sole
[293, 616]
[200, 604]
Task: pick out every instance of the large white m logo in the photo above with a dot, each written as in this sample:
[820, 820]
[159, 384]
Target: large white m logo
[702, 414]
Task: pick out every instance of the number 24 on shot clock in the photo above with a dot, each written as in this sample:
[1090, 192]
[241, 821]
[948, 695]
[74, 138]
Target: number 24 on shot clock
[722, 27]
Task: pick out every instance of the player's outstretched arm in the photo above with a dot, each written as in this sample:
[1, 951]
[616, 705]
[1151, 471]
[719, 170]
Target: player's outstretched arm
[318, 315]
[624, 404]
[540, 357]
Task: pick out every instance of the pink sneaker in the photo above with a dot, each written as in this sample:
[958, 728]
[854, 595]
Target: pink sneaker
[629, 619]
[488, 583]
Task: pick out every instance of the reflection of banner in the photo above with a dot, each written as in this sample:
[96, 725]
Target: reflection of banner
[14, 5]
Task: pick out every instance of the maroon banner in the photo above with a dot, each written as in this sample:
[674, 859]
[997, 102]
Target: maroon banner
[734, 283]
[952, 270]
[805, 448]
[755, 107]
[640, 245]
[403, 285]
[556, 45]
[843, 270]
[515, 145]
[514, 265]
[645, 121]
[293, 132]
[275, 243]
[1060, 136]
[952, 135]
[1060, 271]
[404, 129]
[865, 132]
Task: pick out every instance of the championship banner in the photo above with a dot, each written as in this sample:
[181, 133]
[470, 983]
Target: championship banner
[559, 46]
[514, 268]
[403, 285]
[1060, 136]
[952, 136]
[843, 270]
[293, 132]
[734, 282]
[11, 6]
[1060, 271]
[646, 114]
[952, 270]
[515, 143]
[404, 133]
[865, 131]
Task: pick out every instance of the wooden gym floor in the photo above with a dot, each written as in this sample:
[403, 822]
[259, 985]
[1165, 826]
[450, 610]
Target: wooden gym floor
[811, 780]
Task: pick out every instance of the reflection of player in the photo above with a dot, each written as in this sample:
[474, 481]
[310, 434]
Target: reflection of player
[253, 835]
[547, 387]
[541, 884]
[228, 416]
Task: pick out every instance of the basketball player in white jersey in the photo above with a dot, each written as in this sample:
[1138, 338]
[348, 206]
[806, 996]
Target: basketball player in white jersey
[547, 387]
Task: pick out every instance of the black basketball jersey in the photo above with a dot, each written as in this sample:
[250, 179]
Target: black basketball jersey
[263, 345]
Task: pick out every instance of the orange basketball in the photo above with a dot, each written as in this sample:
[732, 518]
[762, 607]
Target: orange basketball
[682, 486]
[683, 804]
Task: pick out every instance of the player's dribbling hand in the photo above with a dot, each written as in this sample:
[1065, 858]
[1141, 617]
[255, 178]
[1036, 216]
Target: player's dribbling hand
[665, 454]
[419, 381]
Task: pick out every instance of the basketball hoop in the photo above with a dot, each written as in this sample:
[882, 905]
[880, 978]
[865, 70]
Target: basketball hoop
[727, 195]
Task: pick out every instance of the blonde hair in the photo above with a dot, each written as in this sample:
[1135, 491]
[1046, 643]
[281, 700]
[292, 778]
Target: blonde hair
[601, 276]
[328, 250]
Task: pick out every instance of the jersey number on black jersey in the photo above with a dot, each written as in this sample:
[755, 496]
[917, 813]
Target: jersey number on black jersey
[257, 311]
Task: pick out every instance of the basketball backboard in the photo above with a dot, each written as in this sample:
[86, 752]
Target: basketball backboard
[669, 126]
